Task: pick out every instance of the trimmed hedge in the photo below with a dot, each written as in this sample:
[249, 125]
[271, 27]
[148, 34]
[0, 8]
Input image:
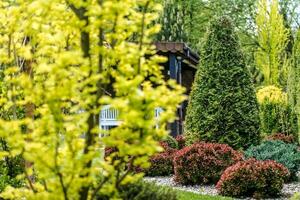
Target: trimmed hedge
[252, 178]
[286, 154]
[142, 191]
[203, 163]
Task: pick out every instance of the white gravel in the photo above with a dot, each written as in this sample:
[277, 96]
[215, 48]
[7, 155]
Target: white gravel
[287, 191]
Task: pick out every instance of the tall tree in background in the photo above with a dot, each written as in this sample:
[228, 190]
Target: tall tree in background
[294, 78]
[272, 40]
[172, 20]
[222, 106]
[191, 18]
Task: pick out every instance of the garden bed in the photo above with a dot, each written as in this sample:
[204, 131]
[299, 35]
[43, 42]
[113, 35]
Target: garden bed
[288, 190]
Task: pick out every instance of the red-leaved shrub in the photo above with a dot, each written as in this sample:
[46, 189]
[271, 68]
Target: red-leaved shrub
[161, 163]
[283, 137]
[203, 162]
[253, 178]
[181, 141]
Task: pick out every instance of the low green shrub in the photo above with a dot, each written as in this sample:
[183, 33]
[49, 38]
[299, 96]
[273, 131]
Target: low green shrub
[276, 115]
[171, 142]
[286, 154]
[142, 190]
[253, 178]
[203, 162]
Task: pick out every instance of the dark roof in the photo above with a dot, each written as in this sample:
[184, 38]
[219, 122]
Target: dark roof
[179, 48]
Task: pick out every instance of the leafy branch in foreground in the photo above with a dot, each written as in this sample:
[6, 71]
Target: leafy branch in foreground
[76, 50]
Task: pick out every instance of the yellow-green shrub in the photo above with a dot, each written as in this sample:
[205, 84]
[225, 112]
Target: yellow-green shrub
[275, 113]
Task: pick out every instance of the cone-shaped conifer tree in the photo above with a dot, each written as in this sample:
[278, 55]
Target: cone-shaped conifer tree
[223, 106]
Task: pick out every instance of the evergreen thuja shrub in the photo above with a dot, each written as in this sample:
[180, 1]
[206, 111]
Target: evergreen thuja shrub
[222, 106]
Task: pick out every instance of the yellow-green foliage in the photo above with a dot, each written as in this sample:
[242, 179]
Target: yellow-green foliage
[294, 78]
[59, 57]
[275, 113]
[271, 93]
[272, 39]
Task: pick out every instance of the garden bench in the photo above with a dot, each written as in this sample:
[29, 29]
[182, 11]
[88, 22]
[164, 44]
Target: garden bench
[109, 117]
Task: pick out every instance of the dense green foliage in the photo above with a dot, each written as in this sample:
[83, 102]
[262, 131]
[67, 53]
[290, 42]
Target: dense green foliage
[276, 115]
[294, 79]
[62, 62]
[272, 39]
[171, 141]
[143, 191]
[286, 154]
[252, 178]
[10, 168]
[222, 106]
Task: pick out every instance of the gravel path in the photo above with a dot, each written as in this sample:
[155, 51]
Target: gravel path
[287, 191]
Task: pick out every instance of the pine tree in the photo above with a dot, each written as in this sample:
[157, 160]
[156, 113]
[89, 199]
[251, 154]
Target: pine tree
[222, 106]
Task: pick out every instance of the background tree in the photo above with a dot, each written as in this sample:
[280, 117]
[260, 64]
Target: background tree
[60, 56]
[172, 20]
[272, 39]
[222, 106]
[192, 18]
[294, 79]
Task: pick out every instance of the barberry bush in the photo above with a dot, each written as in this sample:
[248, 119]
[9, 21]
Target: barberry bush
[161, 164]
[253, 178]
[203, 163]
[180, 141]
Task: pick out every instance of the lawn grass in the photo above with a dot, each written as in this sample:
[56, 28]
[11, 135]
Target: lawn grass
[183, 195]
